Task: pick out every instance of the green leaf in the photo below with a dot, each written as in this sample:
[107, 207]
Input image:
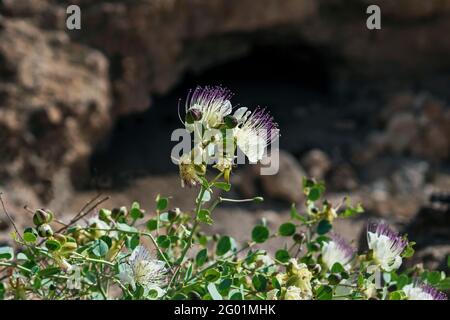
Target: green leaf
[444, 284]
[323, 227]
[136, 212]
[260, 234]
[133, 243]
[324, 293]
[259, 282]
[163, 241]
[201, 257]
[161, 203]
[30, 235]
[295, 215]
[212, 275]
[152, 224]
[47, 272]
[205, 216]
[282, 255]
[287, 229]
[126, 228]
[52, 245]
[6, 253]
[235, 295]
[223, 246]
[223, 185]
[402, 281]
[337, 268]
[434, 277]
[448, 262]
[397, 295]
[206, 196]
[409, 250]
[314, 194]
[225, 284]
[100, 248]
[213, 292]
[351, 211]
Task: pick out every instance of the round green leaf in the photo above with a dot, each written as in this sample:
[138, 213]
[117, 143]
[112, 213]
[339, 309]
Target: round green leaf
[260, 234]
[212, 275]
[259, 282]
[323, 227]
[163, 241]
[100, 248]
[324, 293]
[287, 229]
[162, 203]
[282, 255]
[152, 224]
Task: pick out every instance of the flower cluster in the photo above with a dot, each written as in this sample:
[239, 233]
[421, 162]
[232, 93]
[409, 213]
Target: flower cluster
[219, 132]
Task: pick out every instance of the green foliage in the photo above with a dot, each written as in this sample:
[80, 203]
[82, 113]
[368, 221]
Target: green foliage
[260, 234]
[87, 260]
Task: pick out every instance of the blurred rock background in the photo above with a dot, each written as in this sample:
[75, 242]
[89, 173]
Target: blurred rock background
[89, 111]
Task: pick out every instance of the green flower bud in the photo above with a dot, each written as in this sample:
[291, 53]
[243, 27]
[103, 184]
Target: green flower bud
[45, 230]
[68, 247]
[32, 231]
[104, 215]
[41, 216]
[53, 244]
[172, 214]
[60, 238]
[193, 115]
[119, 213]
[230, 121]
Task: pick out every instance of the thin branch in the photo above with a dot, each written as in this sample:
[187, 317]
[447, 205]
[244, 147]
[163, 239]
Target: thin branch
[83, 214]
[9, 217]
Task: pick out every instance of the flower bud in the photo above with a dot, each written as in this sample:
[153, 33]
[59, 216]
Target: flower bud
[32, 231]
[193, 115]
[42, 216]
[172, 214]
[68, 247]
[118, 213]
[60, 238]
[104, 215]
[45, 230]
[230, 121]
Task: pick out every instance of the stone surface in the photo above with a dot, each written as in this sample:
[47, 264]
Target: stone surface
[287, 183]
[54, 103]
[316, 163]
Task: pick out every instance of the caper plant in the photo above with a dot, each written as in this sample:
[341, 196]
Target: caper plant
[128, 253]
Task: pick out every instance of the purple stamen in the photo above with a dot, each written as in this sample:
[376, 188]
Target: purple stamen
[262, 121]
[342, 245]
[436, 294]
[381, 228]
[205, 96]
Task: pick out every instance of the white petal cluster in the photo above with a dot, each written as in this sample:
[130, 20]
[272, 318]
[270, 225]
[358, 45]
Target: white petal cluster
[144, 270]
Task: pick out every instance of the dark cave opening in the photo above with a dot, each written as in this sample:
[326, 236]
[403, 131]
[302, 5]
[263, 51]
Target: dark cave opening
[295, 83]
